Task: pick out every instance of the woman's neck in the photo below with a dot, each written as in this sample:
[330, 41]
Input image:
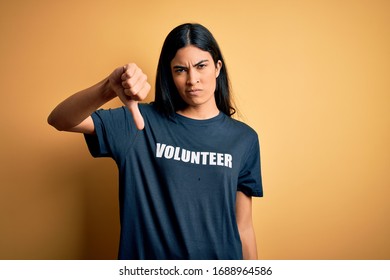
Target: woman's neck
[199, 113]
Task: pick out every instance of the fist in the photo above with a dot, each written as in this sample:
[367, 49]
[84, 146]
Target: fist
[131, 85]
[134, 82]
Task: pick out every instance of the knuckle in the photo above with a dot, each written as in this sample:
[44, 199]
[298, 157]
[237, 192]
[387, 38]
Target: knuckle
[131, 84]
[125, 84]
[135, 89]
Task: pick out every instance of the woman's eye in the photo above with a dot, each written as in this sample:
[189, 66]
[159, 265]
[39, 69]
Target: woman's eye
[180, 70]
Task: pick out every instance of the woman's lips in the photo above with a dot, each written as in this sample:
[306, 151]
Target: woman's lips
[193, 91]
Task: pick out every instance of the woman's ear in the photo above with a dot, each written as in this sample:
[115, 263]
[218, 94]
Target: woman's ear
[218, 67]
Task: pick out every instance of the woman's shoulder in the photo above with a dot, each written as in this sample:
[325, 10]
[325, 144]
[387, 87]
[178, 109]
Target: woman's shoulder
[241, 127]
[148, 110]
[123, 113]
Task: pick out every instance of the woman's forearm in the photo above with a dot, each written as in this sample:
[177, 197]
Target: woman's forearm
[248, 240]
[76, 108]
[245, 226]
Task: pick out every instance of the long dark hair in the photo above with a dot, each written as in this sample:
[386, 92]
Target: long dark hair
[167, 99]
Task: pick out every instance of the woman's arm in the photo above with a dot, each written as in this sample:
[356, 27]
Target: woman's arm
[245, 226]
[129, 83]
[73, 114]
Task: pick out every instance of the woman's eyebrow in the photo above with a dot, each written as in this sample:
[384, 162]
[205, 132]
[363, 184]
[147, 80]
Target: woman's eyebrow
[197, 64]
[201, 62]
[179, 67]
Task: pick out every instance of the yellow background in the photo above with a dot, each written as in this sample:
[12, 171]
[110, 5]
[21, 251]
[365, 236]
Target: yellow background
[311, 77]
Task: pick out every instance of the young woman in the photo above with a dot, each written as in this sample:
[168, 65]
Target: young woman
[187, 169]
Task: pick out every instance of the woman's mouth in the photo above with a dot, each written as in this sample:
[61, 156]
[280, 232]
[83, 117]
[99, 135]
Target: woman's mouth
[193, 91]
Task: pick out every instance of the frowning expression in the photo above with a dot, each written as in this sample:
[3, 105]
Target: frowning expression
[194, 73]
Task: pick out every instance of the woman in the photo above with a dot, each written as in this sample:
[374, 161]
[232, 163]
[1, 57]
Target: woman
[187, 169]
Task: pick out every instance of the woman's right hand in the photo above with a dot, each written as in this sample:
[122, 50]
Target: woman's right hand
[130, 85]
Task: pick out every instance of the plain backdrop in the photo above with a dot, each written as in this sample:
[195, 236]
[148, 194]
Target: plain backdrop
[311, 77]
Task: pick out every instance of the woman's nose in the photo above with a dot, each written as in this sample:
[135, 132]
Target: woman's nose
[193, 77]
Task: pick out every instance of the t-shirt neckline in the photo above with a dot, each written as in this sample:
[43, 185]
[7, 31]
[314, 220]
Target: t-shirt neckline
[191, 121]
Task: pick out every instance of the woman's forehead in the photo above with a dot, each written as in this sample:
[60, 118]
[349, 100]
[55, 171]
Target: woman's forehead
[191, 54]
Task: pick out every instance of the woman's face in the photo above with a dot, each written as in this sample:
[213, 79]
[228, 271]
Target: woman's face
[194, 74]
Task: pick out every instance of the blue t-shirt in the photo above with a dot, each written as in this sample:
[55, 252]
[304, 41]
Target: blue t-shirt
[178, 179]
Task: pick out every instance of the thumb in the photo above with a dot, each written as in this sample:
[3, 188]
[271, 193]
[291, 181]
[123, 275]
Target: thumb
[138, 119]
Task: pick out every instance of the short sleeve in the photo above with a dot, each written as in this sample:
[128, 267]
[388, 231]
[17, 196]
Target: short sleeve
[97, 143]
[113, 130]
[250, 180]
